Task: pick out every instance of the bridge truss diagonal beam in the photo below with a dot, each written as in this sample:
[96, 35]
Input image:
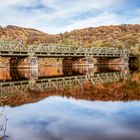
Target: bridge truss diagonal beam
[55, 50]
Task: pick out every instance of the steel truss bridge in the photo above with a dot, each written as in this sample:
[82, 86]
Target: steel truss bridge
[18, 49]
[12, 88]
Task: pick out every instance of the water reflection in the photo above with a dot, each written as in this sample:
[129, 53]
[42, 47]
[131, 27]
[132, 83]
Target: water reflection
[79, 103]
[68, 119]
[88, 83]
[56, 71]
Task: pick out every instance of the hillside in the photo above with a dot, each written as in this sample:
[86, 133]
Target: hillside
[104, 36]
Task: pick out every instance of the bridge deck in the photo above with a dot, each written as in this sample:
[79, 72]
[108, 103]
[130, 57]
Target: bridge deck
[19, 87]
[43, 50]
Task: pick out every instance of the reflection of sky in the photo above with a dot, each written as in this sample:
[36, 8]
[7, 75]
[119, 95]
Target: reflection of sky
[57, 118]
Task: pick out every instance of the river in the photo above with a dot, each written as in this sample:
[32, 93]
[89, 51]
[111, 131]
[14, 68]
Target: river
[79, 103]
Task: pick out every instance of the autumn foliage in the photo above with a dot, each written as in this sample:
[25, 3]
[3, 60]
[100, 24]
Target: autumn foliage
[103, 36]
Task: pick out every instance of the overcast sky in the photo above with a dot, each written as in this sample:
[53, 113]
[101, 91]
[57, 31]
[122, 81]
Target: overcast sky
[55, 16]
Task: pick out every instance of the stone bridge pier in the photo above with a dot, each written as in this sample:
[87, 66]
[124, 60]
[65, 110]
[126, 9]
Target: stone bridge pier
[68, 71]
[26, 62]
[67, 62]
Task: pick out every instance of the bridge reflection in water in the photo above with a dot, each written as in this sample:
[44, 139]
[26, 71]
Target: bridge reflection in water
[31, 85]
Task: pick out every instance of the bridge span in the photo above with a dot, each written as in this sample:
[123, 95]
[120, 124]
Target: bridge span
[11, 88]
[8, 48]
[17, 51]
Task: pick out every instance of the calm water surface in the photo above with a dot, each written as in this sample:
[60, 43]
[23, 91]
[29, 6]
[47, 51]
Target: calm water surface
[81, 103]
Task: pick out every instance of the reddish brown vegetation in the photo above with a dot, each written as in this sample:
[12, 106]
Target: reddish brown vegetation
[100, 36]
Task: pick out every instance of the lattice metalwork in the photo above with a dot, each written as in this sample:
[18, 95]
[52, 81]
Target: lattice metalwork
[58, 51]
[9, 48]
[8, 88]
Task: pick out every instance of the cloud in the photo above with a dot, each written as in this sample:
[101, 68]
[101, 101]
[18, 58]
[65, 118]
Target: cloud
[68, 119]
[4, 4]
[55, 16]
[102, 19]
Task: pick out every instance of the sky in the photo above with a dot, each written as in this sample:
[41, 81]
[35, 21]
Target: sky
[58, 118]
[58, 16]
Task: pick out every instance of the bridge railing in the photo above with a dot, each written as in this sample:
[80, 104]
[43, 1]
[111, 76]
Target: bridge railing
[12, 46]
[41, 48]
[52, 49]
[104, 51]
[18, 48]
[13, 87]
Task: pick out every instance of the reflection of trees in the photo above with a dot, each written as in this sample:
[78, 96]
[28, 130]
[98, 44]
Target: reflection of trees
[122, 90]
[117, 91]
